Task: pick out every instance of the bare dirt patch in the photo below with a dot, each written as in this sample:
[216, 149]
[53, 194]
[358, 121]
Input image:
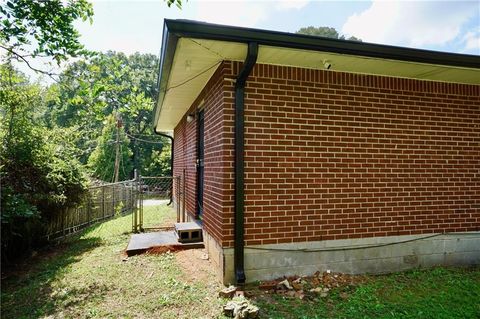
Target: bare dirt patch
[196, 266]
[309, 287]
[158, 250]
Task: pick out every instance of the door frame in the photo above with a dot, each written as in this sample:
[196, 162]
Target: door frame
[200, 162]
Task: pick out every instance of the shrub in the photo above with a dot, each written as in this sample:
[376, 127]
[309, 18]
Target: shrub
[40, 174]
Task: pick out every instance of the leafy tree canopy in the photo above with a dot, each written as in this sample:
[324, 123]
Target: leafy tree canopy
[39, 169]
[90, 90]
[327, 32]
[36, 160]
[35, 28]
[102, 159]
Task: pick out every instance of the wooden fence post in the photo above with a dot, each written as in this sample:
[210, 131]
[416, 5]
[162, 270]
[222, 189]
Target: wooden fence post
[134, 191]
[103, 202]
[113, 200]
[64, 210]
[89, 207]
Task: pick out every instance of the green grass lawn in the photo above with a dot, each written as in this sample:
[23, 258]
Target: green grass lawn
[89, 277]
[434, 293]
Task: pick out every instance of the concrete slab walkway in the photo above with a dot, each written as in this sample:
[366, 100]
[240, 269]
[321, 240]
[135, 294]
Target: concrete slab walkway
[140, 243]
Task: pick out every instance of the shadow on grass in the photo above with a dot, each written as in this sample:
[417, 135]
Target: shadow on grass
[27, 292]
[58, 282]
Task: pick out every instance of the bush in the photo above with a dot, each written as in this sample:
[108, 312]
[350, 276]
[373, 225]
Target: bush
[40, 175]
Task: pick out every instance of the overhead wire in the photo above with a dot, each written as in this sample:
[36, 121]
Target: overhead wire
[143, 140]
[173, 87]
[193, 77]
[208, 49]
[122, 162]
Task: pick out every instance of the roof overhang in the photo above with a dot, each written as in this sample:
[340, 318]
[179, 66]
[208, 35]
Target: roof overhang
[191, 52]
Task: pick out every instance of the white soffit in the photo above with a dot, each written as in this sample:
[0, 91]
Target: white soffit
[196, 60]
[367, 65]
[194, 63]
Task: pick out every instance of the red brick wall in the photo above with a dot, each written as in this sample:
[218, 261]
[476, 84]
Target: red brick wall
[217, 202]
[185, 146]
[332, 155]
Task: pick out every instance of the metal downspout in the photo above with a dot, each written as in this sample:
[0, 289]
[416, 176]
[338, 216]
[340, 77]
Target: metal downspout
[239, 142]
[171, 160]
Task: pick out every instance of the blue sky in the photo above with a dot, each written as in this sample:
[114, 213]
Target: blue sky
[453, 26]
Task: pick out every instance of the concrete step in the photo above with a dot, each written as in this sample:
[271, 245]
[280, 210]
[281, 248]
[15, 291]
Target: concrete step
[190, 232]
[156, 241]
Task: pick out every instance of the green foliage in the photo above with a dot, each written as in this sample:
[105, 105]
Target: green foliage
[15, 205]
[178, 3]
[34, 28]
[327, 32]
[40, 174]
[159, 165]
[48, 133]
[102, 160]
[90, 90]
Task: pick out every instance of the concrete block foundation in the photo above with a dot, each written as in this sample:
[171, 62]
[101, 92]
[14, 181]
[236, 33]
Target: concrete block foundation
[374, 255]
[215, 254]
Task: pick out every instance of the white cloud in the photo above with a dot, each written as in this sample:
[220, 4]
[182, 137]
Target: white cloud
[472, 42]
[243, 13]
[238, 13]
[410, 23]
[291, 4]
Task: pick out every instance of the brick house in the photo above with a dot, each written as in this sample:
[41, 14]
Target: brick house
[303, 153]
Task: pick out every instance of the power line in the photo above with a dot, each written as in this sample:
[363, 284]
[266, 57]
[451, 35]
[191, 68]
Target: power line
[222, 58]
[142, 140]
[138, 134]
[193, 77]
[122, 162]
[208, 49]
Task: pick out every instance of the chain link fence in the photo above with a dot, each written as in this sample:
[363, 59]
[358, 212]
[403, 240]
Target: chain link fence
[146, 198]
[99, 203]
[155, 193]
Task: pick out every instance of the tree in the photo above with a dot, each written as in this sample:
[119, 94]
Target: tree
[32, 29]
[158, 164]
[39, 172]
[327, 32]
[35, 28]
[89, 92]
[102, 159]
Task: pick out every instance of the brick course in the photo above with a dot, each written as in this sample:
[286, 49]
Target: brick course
[332, 155]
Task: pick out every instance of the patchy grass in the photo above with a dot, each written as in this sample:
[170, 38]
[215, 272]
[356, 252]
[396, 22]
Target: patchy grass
[88, 277]
[434, 293]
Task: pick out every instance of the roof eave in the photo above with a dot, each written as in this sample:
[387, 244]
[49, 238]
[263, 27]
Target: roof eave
[169, 45]
[194, 29]
[174, 29]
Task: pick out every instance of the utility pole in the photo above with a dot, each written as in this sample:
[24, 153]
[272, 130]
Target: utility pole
[117, 146]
